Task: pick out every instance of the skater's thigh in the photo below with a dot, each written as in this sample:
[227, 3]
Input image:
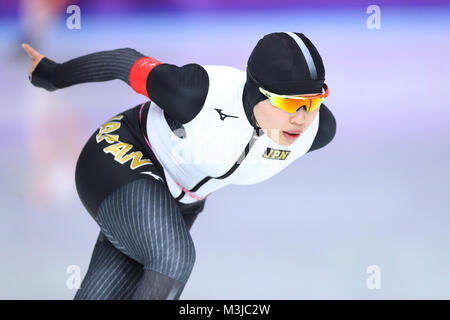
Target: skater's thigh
[143, 220]
[111, 158]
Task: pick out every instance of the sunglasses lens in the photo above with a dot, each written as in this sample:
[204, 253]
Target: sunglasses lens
[293, 105]
[289, 105]
[315, 103]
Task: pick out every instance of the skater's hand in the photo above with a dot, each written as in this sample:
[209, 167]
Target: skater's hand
[35, 56]
[41, 70]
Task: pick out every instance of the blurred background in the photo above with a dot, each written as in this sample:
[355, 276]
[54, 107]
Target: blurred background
[379, 194]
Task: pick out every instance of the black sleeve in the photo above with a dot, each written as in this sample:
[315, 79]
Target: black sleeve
[94, 67]
[327, 129]
[180, 91]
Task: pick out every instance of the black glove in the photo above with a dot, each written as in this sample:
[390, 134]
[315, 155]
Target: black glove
[42, 75]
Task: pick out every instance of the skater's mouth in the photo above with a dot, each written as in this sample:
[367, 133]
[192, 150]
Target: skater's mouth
[292, 134]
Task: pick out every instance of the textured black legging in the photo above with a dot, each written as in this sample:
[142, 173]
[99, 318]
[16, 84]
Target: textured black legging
[144, 249]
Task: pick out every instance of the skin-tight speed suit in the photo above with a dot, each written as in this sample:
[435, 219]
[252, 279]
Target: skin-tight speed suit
[145, 173]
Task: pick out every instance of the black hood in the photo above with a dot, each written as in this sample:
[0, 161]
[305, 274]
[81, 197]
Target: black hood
[283, 63]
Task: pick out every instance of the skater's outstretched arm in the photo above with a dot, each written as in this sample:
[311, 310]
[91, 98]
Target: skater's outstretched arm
[180, 91]
[94, 67]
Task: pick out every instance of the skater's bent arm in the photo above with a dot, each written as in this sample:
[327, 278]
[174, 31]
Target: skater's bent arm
[94, 67]
[180, 91]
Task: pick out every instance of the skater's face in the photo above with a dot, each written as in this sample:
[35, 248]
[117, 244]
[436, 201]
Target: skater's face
[276, 123]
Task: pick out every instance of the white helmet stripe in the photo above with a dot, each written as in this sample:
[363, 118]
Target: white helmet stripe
[306, 54]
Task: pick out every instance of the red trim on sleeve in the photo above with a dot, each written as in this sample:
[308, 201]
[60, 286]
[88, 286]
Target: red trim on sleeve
[139, 73]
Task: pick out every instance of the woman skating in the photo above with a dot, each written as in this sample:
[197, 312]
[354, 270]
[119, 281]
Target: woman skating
[145, 174]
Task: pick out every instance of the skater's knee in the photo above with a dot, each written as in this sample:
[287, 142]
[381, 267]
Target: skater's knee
[176, 261]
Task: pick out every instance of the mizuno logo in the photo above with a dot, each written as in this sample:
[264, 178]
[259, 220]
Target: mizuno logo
[153, 175]
[223, 115]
